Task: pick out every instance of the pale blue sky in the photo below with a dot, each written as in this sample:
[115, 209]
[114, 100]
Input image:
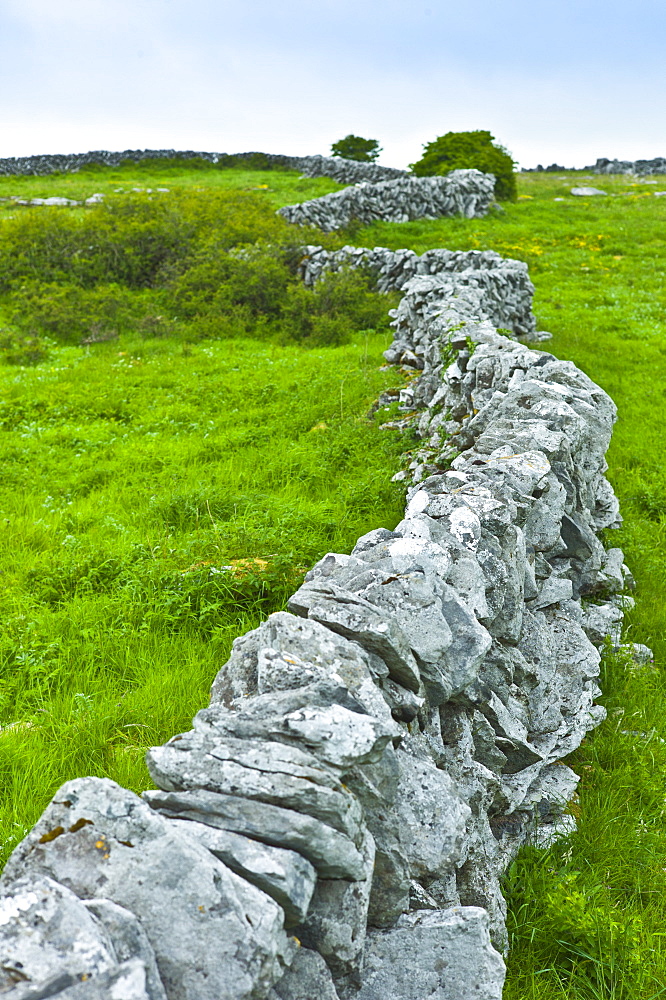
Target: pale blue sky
[565, 81]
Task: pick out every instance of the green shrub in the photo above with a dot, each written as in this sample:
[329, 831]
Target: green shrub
[220, 281]
[353, 147]
[132, 240]
[339, 304]
[18, 350]
[465, 150]
[70, 314]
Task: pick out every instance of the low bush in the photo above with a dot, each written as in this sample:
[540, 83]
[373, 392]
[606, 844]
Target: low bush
[133, 239]
[339, 304]
[71, 314]
[465, 150]
[20, 350]
[218, 282]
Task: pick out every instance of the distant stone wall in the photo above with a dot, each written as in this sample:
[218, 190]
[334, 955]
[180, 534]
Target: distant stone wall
[337, 821]
[341, 170]
[460, 192]
[639, 167]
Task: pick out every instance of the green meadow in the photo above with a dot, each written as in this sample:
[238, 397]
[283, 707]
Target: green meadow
[166, 484]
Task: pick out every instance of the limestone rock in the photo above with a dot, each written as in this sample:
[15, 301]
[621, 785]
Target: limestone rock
[125, 982]
[129, 941]
[48, 939]
[322, 718]
[308, 978]
[440, 954]
[336, 922]
[282, 874]
[214, 936]
[343, 612]
[332, 853]
[429, 817]
[198, 760]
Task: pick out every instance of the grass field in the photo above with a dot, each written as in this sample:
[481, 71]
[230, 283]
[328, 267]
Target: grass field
[137, 469]
[277, 187]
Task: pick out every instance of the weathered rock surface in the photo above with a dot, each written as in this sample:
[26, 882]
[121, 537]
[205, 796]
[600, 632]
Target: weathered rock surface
[125, 982]
[48, 939]
[336, 922]
[308, 978]
[443, 954]
[282, 874]
[213, 934]
[129, 941]
[333, 854]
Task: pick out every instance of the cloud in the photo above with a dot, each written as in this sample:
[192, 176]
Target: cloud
[582, 78]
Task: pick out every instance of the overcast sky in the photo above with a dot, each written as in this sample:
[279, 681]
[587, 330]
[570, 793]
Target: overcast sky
[563, 81]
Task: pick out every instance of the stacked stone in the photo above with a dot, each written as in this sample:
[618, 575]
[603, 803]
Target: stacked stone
[639, 167]
[504, 285]
[373, 757]
[342, 170]
[460, 192]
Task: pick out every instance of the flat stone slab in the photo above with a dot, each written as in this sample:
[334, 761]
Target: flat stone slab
[438, 954]
[284, 875]
[586, 192]
[332, 853]
[215, 936]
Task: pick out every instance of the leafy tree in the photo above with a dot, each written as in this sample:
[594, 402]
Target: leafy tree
[462, 150]
[353, 147]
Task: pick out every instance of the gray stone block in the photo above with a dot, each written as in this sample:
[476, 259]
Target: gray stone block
[332, 853]
[282, 874]
[214, 936]
[440, 954]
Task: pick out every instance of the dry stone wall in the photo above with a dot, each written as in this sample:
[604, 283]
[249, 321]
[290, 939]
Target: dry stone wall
[639, 167]
[460, 192]
[436, 275]
[337, 821]
[339, 169]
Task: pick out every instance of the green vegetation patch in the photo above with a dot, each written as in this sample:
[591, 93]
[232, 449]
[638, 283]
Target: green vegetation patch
[183, 432]
[157, 502]
[469, 150]
[164, 491]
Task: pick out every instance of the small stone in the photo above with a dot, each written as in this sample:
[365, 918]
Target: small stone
[308, 978]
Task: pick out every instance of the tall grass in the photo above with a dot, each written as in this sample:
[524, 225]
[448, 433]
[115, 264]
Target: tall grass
[155, 504]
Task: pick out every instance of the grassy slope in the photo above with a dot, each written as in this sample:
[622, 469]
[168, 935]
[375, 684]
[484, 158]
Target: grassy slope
[588, 917]
[130, 481]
